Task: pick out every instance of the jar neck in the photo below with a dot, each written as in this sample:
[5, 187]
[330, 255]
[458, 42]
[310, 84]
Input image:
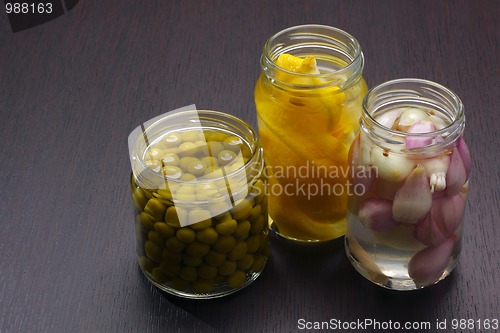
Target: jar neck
[197, 120]
[338, 55]
[412, 93]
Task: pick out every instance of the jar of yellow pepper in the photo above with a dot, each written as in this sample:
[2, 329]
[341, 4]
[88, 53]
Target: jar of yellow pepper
[309, 100]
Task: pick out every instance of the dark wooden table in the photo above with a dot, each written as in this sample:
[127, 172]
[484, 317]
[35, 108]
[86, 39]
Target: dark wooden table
[73, 88]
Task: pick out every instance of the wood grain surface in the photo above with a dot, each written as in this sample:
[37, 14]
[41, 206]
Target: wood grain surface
[72, 89]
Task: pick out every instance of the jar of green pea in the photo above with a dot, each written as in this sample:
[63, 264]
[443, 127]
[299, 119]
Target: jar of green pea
[198, 193]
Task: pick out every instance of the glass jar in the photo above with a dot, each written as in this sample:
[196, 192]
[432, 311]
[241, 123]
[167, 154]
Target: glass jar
[404, 224]
[200, 205]
[308, 100]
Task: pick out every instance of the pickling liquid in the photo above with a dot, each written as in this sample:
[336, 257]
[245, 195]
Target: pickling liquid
[383, 257]
[306, 137]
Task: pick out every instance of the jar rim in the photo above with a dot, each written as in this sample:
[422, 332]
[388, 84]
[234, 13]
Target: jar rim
[414, 91]
[329, 35]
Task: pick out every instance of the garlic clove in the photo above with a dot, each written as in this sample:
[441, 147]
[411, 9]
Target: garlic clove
[443, 219]
[463, 149]
[391, 166]
[409, 117]
[417, 141]
[376, 214]
[388, 119]
[428, 232]
[427, 266]
[414, 199]
[456, 175]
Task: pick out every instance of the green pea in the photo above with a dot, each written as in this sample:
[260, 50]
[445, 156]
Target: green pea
[206, 271]
[156, 238]
[258, 226]
[187, 149]
[258, 263]
[192, 136]
[259, 189]
[185, 235]
[191, 261]
[188, 273]
[154, 153]
[255, 213]
[239, 251]
[253, 243]
[226, 156]
[202, 147]
[187, 177]
[203, 286]
[184, 162]
[197, 169]
[199, 219]
[216, 136]
[146, 264]
[164, 193]
[155, 209]
[147, 220]
[185, 193]
[227, 227]
[171, 257]
[265, 246]
[242, 230]
[197, 249]
[172, 217]
[224, 244]
[172, 150]
[139, 198]
[153, 252]
[170, 269]
[236, 279]
[164, 229]
[179, 284]
[172, 140]
[207, 236]
[245, 262]
[242, 210]
[215, 258]
[171, 159]
[172, 172]
[227, 268]
[214, 148]
[221, 206]
[233, 143]
[153, 165]
[174, 245]
[159, 275]
[219, 278]
[210, 162]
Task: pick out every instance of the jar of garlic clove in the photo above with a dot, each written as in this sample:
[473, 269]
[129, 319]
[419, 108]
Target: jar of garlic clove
[198, 192]
[410, 175]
